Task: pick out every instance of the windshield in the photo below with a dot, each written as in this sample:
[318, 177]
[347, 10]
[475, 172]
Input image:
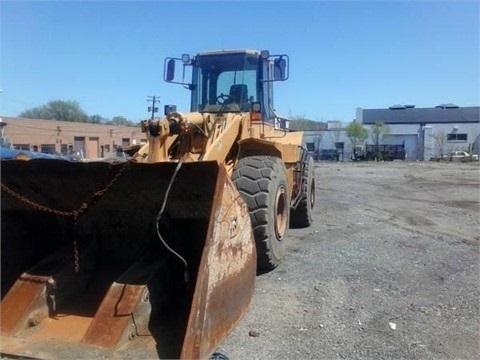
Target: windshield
[224, 82]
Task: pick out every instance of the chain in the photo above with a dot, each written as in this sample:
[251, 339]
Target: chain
[76, 256]
[74, 214]
[43, 208]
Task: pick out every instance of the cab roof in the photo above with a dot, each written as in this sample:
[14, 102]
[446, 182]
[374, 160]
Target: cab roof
[232, 51]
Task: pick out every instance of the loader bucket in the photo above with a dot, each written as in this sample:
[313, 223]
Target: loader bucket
[125, 260]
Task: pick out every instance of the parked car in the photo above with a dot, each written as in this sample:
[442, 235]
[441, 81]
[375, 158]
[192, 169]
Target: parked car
[462, 156]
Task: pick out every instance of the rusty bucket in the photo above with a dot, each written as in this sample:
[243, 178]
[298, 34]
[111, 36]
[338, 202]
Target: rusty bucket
[121, 260]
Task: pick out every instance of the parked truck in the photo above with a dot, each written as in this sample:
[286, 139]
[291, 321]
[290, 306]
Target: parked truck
[157, 256]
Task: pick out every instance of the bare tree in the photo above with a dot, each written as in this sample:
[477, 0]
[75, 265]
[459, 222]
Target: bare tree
[379, 130]
[440, 140]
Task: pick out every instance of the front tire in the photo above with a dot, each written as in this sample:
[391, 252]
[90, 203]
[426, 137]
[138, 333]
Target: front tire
[262, 183]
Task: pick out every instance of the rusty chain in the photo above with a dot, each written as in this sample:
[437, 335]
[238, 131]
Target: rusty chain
[74, 214]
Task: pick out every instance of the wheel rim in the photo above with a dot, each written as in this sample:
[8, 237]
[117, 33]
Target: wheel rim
[280, 213]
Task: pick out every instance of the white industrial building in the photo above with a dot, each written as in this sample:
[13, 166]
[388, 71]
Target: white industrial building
[424, 132]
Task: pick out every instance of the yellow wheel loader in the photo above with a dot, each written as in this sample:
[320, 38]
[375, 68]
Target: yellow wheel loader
[156, 257]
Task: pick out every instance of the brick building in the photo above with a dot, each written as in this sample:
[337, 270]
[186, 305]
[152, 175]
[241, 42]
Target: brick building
[65, 137]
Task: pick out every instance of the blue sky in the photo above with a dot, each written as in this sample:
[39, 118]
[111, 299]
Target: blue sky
[109, 55]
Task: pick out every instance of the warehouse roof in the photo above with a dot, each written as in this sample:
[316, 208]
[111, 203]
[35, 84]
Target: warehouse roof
[410, 115]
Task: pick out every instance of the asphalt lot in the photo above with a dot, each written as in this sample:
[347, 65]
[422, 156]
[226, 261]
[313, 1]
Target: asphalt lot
[390, 269]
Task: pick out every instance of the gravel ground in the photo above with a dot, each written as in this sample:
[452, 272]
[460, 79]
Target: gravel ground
[390, 269]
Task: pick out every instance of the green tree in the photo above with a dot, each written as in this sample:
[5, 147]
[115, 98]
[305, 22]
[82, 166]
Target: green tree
[356, 133]
[300, 123]
[120, 121]
[39, 112]
[97, 119]
[57, 110]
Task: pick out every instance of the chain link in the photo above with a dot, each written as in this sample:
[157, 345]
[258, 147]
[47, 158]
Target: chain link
[74, 214]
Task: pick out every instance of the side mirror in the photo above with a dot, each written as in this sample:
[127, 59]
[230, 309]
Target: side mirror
[170, 70]
[280, 69]
[169, 74]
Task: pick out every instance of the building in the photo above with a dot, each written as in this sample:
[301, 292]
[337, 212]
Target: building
[329, 144]
[428, 132]
[65, 137]
[422, 132]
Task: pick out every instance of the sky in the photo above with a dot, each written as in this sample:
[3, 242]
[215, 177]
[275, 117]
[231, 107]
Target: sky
[108, 55]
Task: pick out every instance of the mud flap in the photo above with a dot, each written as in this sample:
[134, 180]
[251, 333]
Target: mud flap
[90, 269]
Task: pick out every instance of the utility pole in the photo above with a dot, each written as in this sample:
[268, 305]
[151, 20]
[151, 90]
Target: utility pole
[153, 109]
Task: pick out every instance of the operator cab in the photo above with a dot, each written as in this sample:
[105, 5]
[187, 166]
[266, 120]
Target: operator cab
[231, 80]
[224, 82]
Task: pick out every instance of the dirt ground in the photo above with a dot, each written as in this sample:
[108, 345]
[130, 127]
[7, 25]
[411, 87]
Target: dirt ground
[390, 269]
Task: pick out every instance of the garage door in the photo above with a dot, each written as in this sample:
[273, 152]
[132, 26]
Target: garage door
[93, 147]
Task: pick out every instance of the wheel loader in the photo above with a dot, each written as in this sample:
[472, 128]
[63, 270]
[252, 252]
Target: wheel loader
[156, 257]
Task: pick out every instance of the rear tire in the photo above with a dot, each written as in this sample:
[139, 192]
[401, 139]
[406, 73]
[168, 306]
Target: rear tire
[302, 216]
[262, 183]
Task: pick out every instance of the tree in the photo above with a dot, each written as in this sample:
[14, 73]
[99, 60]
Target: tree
[300, 123]
[120, 121]
[97, 119]
[356, 133]
[440, 140]
[62, 110]
[57, 110]
[39, 112]
[379, 130]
